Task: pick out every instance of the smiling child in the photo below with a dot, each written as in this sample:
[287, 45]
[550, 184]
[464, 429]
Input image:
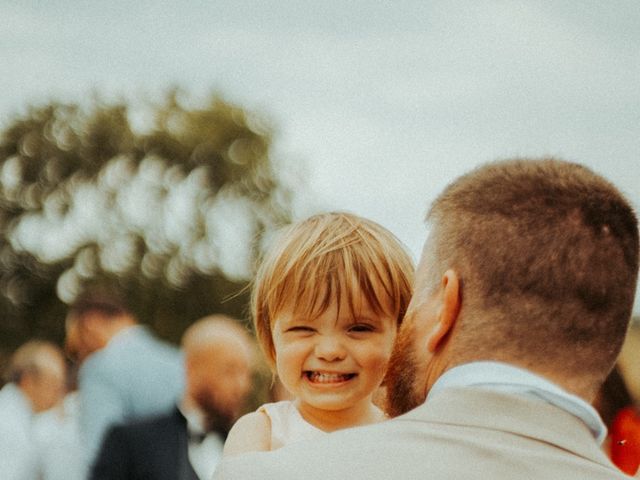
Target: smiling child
[327, 302]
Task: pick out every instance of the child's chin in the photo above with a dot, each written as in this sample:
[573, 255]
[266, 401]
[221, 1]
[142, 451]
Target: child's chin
[331, 402]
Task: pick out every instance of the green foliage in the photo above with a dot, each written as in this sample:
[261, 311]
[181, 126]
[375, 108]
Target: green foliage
[167, 201]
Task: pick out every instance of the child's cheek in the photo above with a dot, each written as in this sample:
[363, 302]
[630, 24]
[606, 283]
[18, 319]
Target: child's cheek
[376, 355]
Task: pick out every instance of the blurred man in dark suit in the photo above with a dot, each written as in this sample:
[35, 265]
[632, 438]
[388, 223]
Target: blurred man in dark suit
[186, 442]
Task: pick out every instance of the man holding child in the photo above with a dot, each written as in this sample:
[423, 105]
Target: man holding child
[521, 303]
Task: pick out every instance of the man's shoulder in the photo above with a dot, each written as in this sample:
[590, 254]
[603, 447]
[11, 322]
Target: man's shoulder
[15, 413]
[350, 450]
[142, 348]
[145, 432]
[444, 438]
[149, 426]
[147, 347]
[142, 337]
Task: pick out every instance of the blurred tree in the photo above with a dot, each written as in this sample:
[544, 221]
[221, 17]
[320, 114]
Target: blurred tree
[167, 201]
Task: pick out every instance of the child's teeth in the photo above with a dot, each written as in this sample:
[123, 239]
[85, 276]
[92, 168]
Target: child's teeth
[328, 377]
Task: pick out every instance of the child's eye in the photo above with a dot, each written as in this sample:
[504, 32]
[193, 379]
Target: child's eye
[299, 328]
[361, 327]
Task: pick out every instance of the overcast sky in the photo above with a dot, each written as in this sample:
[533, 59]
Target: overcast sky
[381, 104]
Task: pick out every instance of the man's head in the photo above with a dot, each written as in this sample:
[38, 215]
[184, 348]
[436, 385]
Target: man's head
[93, 319]
[38, 369]
[219, 358]
[530, 262]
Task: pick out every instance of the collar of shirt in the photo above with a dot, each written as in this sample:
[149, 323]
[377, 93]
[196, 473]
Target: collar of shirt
[205, 448]
[507, 378]
[125, 334]
[195, 422]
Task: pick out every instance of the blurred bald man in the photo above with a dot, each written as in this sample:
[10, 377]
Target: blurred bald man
[187, 442]
[36, 379]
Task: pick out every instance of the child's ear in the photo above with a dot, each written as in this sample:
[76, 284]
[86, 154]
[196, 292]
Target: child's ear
[448, 310]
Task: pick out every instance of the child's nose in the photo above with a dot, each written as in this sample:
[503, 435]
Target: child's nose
[330, 348]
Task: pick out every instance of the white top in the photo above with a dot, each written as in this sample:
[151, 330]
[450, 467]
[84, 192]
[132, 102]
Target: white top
[57, 437]
[507, 378]
[204, 455]
[287, 425]
[17, 452]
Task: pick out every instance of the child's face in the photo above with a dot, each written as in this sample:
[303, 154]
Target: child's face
[333, 362]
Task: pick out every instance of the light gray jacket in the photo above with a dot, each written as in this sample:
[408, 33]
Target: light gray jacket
[135, 375]
[462, 433]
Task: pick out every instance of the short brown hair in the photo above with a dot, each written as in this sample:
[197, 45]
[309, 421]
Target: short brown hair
[109, 302]
[547, 251]
[313, 261]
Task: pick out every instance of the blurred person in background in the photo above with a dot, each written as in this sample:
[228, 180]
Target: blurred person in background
[125, 371]
[57, 436]
[35, 383]
[625, 440]
[618, 411]
[186, 442]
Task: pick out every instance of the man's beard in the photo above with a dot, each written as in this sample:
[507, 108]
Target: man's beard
[400, 379]
[216, 419]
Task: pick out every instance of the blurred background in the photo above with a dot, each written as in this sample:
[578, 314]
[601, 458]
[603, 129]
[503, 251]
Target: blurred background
[157, 144]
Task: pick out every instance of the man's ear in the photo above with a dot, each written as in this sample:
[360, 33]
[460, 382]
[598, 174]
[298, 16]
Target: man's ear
[89, 324]
[448, 310]
[92, 329]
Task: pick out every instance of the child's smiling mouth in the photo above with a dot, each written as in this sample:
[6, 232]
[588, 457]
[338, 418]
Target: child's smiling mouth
[327, 378]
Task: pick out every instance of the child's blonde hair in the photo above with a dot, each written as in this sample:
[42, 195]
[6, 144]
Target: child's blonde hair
[324, 257]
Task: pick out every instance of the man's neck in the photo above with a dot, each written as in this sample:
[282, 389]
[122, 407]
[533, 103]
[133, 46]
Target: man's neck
[116, 329]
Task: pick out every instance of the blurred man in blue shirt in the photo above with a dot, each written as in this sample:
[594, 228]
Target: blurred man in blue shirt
[126, 372]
